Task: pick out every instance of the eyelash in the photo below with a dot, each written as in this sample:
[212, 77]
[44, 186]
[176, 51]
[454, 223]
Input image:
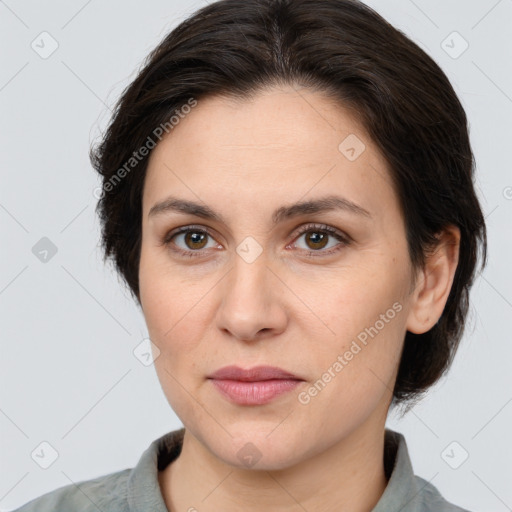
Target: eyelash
[321, 228]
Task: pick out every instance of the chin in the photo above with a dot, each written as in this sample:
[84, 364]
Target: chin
[255, 449]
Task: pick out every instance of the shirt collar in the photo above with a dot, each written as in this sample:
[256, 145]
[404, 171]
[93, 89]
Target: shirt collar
[401, 493]
[143, 487]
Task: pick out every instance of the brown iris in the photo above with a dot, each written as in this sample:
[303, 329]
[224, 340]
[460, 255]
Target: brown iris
[317, 239]
[195, 239]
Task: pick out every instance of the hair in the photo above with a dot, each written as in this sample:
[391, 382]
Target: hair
[348, 51]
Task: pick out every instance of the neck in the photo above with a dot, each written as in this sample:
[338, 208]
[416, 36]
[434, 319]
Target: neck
[348, 476]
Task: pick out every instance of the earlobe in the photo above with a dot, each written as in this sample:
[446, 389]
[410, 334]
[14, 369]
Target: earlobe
[434, 282]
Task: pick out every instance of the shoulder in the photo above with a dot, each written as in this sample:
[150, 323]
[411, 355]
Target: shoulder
[135, 488]
[108, 492]
[431, 500]
[405, 490]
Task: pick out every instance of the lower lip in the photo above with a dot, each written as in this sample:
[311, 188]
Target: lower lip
[254, 393]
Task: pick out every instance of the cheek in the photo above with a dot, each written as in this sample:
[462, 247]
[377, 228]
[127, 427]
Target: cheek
[176, 316]
[364, 315]
[354, 377]
[168, 301]
[169, 306]
[349, 302]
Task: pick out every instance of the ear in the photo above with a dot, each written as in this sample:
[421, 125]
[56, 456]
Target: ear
[434, 283]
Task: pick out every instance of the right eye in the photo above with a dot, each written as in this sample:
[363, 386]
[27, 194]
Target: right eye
[189, 241]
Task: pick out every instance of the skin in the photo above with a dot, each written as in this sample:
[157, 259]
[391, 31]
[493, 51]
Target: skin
[244, 159]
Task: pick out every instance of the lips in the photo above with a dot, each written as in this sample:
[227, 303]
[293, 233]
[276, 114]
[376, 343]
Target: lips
[258, 373]
[254, 386]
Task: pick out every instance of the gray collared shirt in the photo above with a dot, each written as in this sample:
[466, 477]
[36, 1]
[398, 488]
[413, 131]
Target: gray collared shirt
[138, 490]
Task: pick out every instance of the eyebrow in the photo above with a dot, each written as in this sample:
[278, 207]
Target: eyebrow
[328, 203]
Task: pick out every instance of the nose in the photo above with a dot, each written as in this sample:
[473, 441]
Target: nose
[251, 305]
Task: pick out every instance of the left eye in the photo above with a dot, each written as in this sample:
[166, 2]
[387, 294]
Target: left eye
[318, 239]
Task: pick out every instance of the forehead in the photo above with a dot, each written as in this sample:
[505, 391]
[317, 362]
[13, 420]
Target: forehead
[284, 143]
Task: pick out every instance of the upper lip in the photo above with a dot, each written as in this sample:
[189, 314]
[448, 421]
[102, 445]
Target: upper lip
[257, 373]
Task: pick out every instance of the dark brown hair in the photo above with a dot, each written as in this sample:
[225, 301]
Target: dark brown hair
[345, 49]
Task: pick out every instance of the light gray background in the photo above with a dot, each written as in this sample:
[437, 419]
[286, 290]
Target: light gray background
[68, 330]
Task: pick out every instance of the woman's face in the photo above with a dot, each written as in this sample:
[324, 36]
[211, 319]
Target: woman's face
[319, 291]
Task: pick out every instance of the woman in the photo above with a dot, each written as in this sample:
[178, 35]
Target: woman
[288, 193]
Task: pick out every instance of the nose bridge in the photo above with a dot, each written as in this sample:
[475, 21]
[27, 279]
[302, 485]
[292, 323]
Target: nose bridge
[248, 284]
[249, 303]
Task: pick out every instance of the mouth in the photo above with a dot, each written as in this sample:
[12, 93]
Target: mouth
[253, 386]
